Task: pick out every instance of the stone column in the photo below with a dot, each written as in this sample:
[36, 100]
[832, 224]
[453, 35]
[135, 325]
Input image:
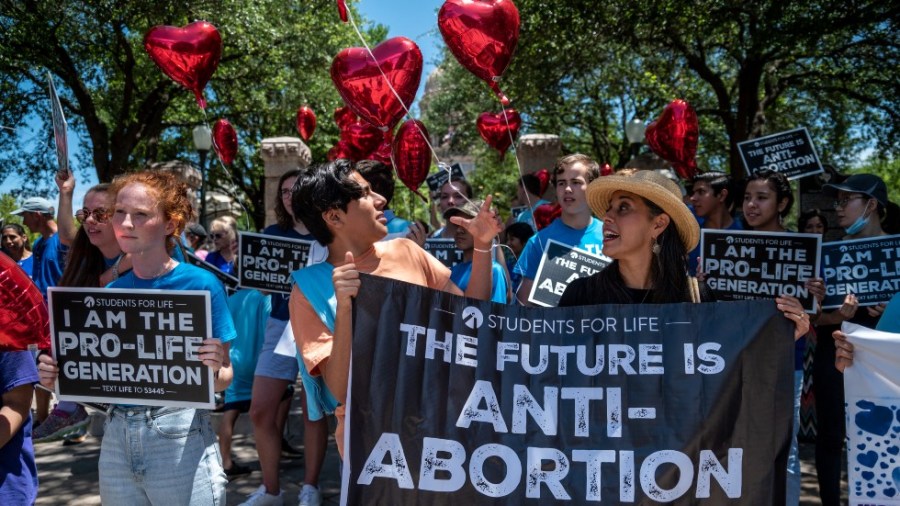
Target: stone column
[539, 151]
[281, 154]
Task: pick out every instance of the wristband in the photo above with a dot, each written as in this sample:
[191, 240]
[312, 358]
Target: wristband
[482, 250]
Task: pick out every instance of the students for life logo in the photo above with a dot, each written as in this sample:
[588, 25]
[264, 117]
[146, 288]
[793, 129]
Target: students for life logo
[472, 317]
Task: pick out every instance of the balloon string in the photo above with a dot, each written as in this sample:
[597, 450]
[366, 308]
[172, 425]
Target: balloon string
[521, 175]
[227, 173]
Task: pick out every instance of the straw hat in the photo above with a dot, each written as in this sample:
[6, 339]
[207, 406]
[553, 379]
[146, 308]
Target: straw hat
[652, 186]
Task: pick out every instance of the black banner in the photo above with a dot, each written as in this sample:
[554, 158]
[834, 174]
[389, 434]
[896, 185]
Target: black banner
[131, 346]
[444, 250]
[760, 265]
[868, 268]
[792, 153]
[560, 265]
[266, 262]
[440, 178]
[455, 401]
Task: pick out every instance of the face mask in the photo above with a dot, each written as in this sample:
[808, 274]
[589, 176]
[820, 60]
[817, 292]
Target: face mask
[859, 224]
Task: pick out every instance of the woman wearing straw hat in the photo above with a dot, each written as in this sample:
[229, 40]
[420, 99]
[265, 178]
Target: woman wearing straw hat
[647, 231]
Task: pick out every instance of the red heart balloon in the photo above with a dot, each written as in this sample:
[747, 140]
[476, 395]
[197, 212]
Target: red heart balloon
[543, 176]
[343, 116]
[306, 122]
[341, 150]
[674, 136]
[411, 153]
[362, 138]
[188, 55]
[342, 10]
[482, 35]
[23, 313]
[363, 87]
[383, 152]
[544, 214]
[606, 170]
[224, 141]
[498, 131]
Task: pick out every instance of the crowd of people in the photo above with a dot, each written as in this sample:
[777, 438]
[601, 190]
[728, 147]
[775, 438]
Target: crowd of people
[139, 231]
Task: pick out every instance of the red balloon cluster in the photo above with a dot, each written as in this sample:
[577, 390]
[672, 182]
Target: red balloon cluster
[361, 82]
[343, 116]
[362, 138]
[412, 155]
[188, 55]
[359, 140]
[674, 136]
[499, 129]
[306, 122]
[224, 141]
[482, 35]
[23, 315]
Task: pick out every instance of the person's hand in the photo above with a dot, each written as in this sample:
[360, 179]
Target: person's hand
[877, 310]
[843, 354]
[483, 227]
[47, 371]
[849, 307]
[65, 181]
[794, 312]
[816, 287]
[701, 276]
[417, 234]
[212, 353]
[346, 280]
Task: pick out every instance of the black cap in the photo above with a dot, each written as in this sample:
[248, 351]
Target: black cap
[868, 184]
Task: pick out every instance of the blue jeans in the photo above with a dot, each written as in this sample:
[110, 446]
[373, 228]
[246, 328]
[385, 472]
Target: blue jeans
[160, 456]
[793, 470]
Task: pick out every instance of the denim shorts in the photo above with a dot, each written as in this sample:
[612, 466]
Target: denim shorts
[162, 456]
[271, 364]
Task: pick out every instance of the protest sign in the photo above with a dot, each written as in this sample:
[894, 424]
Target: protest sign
[868, 268]
[131, 346]
[266, 262]
[440, 178]
[743, 264]
[444, 250]
[230, 282]
[457, 401]
[791, 153]
[560, 265]
[872, 396]
[59, 128]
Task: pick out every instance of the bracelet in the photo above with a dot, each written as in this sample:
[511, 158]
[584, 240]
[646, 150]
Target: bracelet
[482, 250]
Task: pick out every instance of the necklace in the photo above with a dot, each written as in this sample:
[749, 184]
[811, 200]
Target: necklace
[165, 268]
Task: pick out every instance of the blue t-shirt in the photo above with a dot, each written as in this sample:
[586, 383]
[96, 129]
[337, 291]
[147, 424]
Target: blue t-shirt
[395, 225]
[249, 310]
[527, 215]
[280, 307]
[890, 320]
[589, 239]
[18, 473]
[189, 277]
[461, 272]
[49, 260]
[220, 263]
[694, 256]
[27, 265]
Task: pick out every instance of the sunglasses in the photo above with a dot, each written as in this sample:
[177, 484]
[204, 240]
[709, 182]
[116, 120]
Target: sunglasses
[100, 215]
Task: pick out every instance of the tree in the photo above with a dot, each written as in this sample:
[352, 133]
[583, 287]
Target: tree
[276, 57]
[749, 68]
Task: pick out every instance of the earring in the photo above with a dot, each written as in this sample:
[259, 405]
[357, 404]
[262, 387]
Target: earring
[655, 247]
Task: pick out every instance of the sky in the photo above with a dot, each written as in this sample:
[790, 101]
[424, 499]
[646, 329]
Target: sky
[413, 19]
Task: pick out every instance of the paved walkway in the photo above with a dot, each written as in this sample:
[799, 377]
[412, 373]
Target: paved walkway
[68, 474]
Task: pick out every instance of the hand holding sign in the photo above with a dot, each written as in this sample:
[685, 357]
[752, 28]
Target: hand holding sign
[212, 354]
[793, 311]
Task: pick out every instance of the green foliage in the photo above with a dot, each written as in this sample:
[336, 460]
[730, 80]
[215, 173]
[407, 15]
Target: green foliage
[7, 206]
[583, 69]
[276, 58]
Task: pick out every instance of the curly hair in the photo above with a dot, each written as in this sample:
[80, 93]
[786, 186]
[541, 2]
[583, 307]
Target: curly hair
[170, 193]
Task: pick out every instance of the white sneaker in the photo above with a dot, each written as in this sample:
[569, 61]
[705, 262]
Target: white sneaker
[261, 498]
[309, 496]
